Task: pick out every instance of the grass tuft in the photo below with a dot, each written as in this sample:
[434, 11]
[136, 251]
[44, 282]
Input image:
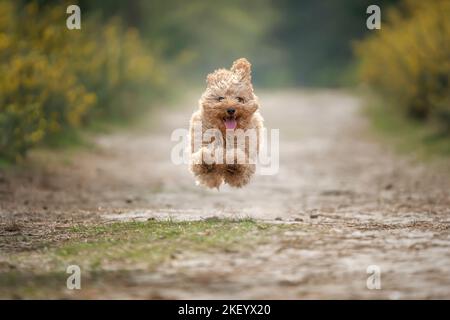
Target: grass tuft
[406, 134]
[107, 251]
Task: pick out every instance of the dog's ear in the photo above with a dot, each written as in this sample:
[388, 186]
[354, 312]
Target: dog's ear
[210, 79]
[214, 78]
[243, 68]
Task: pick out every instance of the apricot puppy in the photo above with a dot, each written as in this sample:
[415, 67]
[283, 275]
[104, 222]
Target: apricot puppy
[225, 130]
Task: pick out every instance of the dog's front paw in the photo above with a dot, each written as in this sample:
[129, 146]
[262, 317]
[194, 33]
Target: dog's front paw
[207, 174]
[238, 175]
[211, 180]
[206, 168]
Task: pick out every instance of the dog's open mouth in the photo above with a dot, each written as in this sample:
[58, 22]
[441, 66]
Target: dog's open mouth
[230, 122]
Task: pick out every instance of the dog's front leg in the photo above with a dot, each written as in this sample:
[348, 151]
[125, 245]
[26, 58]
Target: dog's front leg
[238, 173]
[206, 169]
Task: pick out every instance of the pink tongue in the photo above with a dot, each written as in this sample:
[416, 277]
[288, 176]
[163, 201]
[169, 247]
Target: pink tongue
[230, 123]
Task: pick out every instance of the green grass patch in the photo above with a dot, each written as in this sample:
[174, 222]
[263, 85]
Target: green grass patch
[69, 138]
[407, 135]
[5, 163]
[106, 252]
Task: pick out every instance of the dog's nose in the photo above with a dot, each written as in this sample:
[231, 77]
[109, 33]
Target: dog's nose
[231, 111]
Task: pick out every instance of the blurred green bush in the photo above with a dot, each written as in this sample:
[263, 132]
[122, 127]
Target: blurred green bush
[408, 60]
[53, 79]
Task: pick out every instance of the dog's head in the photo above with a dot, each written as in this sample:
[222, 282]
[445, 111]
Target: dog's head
[229, 101]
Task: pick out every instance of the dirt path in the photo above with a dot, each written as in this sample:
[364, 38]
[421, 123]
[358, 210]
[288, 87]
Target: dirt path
[355, 202]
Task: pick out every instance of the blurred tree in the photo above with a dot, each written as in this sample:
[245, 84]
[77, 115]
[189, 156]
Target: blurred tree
[302, 42]
[199, 36]
[415, 54]
[317, 36]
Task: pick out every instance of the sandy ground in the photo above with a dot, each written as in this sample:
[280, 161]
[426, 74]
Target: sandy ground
[355, 201]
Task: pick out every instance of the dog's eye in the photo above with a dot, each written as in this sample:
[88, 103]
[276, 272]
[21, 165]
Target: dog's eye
[239, 99]
[220, 99]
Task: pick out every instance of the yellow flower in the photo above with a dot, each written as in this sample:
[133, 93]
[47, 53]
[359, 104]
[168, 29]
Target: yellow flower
[408, 60]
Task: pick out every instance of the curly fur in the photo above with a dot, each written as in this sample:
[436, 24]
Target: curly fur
[226, 89]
